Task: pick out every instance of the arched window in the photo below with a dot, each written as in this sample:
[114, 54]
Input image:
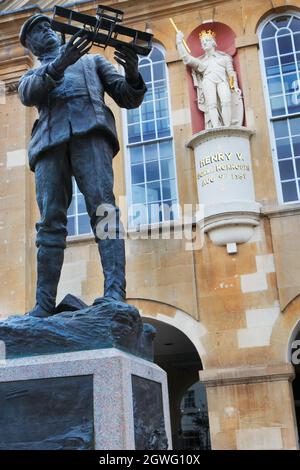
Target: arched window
[280, 56]
[152, 183]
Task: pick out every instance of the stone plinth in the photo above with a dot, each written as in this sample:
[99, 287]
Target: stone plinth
[98, 399]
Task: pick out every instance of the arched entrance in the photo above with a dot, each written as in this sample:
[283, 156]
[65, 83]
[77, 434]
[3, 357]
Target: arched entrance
[176, 354]
[295, 359]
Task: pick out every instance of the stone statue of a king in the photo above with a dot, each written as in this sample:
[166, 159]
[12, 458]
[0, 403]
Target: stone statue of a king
[218, 93]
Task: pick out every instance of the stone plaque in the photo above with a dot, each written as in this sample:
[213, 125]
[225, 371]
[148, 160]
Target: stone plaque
[54, 413]
[149, 423]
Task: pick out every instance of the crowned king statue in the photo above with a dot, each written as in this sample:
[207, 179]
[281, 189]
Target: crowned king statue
[218, 93]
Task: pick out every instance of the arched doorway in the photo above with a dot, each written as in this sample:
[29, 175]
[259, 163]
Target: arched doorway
[295, 359]
[176, 354]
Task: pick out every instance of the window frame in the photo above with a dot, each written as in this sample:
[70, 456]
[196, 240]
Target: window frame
[126, 150]
[270, 118]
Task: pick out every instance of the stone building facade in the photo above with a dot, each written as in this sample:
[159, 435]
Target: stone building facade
[233, 316]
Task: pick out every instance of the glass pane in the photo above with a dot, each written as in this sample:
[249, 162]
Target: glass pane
[268, 31]
[288, 63]
[289, 191]
[156, 55]
[272, 67]
[167, 168]
[169, 210]
[137, 174]
[149, 95]
[296, 145]
[144, 61]
[298, 166]
[133, 115]
[151, 152]
[71, 226]
[145, 71]
[159, 71]
[81, 204]
[297, 41]
[71, 210]
[166, 149]
[137, 214]
[285, 44]
[154, 213]
[147, 111]
[159, 87]
[286, 170]
[162, 108]
[160, 90]
[134, 133]
[295, 125]
[84, 225]
[163, 127]
[277, 106]
[283, 148]
[138, 194]
[274, 85]
[153, 191]
[168, 189]
[152, 171]
[290, 82]
[281, 21]
[136, 154]
[295, 25]
[283, 32]
[269, 47]
[280, 128]
[149, 130]
[293, 102]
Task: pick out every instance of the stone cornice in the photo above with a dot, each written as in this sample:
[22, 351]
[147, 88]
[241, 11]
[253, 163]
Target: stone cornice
[135, 10]
[276, 211]
[247, 375]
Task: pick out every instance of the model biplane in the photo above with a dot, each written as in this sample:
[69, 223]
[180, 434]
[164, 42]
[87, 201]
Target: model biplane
[104, 29]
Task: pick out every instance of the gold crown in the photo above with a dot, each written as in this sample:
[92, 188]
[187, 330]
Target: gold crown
[207, 33]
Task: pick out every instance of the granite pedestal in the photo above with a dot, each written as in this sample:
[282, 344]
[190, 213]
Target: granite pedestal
[104, 399]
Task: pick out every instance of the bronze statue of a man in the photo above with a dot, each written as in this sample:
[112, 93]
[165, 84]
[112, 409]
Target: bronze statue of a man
[75, 135]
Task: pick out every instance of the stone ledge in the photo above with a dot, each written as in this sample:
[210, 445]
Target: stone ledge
[246, 375]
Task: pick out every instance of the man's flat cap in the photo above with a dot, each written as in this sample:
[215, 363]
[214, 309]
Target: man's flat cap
[26, 27]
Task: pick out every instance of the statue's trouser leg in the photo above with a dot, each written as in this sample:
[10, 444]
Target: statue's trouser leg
[210, 93]
[54, 195]
[225, 98]
[91, 159]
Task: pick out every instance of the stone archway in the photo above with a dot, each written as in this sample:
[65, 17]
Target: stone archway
[176, 354]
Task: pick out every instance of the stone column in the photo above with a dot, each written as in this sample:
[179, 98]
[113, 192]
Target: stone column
[251, 407]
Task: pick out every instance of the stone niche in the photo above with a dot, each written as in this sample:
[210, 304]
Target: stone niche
[225, 184]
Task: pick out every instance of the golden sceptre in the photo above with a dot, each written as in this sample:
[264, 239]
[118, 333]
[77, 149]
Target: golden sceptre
[177, 31]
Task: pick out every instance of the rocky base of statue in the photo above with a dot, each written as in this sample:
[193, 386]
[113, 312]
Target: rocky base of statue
[77, 327]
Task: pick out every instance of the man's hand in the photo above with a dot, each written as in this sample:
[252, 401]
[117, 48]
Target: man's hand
[128, 58]
[78, 45]
[179, 37]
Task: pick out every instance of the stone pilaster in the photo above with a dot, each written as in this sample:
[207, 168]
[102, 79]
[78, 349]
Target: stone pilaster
[251, 407]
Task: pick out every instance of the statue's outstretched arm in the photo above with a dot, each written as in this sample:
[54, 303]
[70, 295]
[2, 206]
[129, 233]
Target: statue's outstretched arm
[187, 58]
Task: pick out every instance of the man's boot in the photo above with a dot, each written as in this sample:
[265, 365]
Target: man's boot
[49, 265]
[112, 254]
